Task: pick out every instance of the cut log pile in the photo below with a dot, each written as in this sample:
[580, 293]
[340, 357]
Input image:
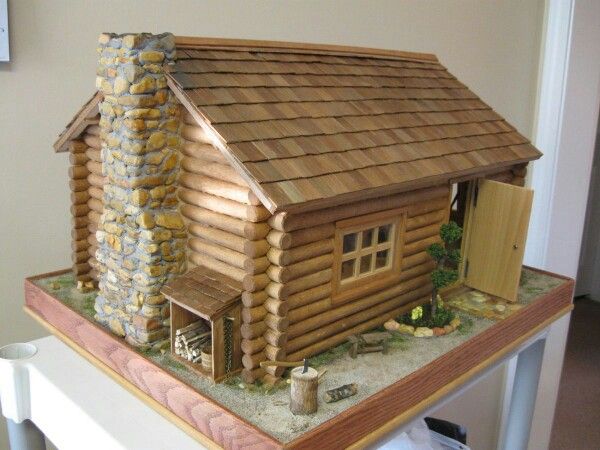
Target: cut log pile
[86, 182]
[190, 340]
[227, 225]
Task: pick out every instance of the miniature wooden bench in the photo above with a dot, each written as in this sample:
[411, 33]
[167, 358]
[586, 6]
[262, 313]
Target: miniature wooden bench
[369, 343]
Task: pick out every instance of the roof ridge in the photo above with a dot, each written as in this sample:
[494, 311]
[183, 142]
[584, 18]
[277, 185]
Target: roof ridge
[299, 47]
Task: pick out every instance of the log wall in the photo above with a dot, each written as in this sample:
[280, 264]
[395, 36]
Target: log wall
[305, 319]
[227, 232]
[86, 182]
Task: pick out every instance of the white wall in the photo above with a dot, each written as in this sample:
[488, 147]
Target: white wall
[491, 46]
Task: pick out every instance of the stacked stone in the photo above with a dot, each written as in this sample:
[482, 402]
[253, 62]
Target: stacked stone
[141, 235]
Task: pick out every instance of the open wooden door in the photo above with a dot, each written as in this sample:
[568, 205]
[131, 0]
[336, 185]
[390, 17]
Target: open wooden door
[495, 234]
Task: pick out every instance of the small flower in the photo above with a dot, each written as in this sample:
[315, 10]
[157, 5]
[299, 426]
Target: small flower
[416, 313]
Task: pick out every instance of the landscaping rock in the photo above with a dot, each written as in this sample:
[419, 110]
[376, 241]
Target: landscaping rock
[423, 332]
[391, 325]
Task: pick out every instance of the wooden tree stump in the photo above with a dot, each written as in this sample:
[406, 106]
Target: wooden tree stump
[303, 393]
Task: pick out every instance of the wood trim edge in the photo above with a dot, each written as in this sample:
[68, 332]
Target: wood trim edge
[423, 404]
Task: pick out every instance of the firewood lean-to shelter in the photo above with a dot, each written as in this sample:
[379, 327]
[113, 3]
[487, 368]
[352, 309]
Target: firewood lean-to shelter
[311, 177]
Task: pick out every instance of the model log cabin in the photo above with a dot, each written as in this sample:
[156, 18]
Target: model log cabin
[280, 197]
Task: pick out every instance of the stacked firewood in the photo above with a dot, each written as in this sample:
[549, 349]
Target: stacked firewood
[190, 339]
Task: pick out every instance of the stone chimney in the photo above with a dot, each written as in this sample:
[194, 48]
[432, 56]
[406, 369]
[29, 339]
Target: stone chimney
[141, 235]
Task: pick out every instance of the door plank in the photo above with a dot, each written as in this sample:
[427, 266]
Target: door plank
[496, 237]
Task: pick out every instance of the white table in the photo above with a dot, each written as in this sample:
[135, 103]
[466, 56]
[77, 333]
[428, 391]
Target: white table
[77, 406]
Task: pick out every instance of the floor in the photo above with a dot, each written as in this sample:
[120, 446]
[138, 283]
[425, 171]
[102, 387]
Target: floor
[577, 418]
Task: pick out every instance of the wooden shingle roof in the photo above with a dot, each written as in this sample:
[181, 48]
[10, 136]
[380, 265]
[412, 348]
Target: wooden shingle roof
[204, 292]
[311, 126]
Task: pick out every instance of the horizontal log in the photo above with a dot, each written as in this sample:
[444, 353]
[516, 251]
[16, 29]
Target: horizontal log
[253, 361]
[289, 222]
[277, 323]
[284, 241]
[94, 130]
[309, 295]
[282, 291]
[201, 259]
[95, 205]
[79, 245]
[92, 141]
[435, 204]
[92, 253]
[253, 330]
[79, 222]
[249, 248]
[77, 146]
[274, 353]
[415, 260]
[249, 282]
[273, 374]
[306, 311]
[220, 171]
[275, 338]
[204, 152]
[91, 239]
[287, 257]
[347, 309]
[320, 345]
[299, 269]
[79, 257]
[426, 219]
[224, 206]
[93, 154]
[252, 315]
[195, 133]
[249, 230]
[276, 307]
[78, 172]
[96, 180]
[78, 159]
[94, 167]
[93, 217]
[78, 185]
[79, 210]
[417, 246]
[250, 299]
[252, 346]
[306, 338]
[236, 259]
[92, 227]
[251, 375]
[81, 268]
[96, 193]
[422, 233]
[81, 197]
[213, 186]
[502, 177]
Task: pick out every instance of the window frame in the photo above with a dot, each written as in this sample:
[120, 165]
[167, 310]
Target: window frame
[343, 291]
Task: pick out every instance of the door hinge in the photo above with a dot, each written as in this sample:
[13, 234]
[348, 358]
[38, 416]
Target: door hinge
[475, 194]
[466, 268]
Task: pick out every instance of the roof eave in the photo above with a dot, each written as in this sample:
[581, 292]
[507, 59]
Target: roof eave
[425, 182]
[81, 120]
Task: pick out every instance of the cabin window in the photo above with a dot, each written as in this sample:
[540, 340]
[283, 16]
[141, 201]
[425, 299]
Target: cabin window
[368, 248]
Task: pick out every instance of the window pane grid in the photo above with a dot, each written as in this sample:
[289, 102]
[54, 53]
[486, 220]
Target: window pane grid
[359, 262]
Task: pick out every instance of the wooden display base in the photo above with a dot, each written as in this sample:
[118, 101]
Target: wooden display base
[360, 425]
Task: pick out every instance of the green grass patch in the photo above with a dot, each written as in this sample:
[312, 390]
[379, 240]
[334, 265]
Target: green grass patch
[466, 324]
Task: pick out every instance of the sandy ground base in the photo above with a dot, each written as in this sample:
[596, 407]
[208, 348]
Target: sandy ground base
[268, 408]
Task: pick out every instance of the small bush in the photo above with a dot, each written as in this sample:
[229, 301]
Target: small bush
[442, 317]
